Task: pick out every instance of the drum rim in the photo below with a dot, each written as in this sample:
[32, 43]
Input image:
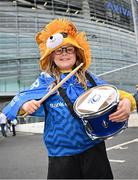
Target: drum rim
[102, 110]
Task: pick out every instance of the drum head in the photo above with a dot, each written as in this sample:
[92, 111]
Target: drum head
[96, 101]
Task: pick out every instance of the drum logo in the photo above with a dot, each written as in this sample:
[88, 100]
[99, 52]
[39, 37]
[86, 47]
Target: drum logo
[95, 98]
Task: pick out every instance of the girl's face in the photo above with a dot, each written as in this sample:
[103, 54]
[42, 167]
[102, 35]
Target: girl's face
[65, 57]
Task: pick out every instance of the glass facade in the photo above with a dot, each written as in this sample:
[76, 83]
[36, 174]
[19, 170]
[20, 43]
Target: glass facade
[113, 12]
[108, 24]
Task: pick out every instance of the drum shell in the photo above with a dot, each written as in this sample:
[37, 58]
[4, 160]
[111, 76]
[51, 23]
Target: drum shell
[100, 127]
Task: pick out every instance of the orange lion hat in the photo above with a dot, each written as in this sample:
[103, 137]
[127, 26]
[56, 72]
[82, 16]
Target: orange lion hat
[60, 32]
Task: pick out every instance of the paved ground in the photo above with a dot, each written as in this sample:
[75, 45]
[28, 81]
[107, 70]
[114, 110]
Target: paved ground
[123, 154]
[24, 156]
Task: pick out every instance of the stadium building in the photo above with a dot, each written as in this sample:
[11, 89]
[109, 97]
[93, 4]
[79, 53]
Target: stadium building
[110, 25]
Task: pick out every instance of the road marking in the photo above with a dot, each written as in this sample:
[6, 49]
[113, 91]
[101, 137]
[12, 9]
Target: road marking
[122, 148]
[119, 161]
[119, 145]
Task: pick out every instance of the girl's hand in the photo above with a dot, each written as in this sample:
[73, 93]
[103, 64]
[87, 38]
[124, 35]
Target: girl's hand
[31, 106]
[123, 111]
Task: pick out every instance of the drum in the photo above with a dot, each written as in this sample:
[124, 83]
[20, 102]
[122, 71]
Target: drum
[94, 107]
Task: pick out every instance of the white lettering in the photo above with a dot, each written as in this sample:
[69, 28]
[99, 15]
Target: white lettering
[35, 84]
[56, 105]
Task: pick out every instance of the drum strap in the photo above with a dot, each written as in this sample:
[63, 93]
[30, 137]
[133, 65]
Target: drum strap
[63, 94]
[89, 77]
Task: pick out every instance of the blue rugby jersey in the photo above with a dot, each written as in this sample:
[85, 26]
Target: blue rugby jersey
[63, 134]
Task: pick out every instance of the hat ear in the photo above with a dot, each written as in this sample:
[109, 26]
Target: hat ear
[42, 37]
[41, 43]
[39, 38]
[71, 29]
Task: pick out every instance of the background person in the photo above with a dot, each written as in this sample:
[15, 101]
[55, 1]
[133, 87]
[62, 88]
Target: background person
[136, 97]
[12, 125]
[3, 121]
[72, 154]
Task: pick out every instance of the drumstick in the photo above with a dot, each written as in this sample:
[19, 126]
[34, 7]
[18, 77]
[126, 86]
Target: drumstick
[57, 86]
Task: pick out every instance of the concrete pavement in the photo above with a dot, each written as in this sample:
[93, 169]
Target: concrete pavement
[24, 156]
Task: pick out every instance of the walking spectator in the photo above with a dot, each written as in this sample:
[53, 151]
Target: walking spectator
[12, 125]
[3, 121]
[136, 97]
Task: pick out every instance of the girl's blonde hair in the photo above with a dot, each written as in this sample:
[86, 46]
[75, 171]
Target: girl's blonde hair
[53, 70]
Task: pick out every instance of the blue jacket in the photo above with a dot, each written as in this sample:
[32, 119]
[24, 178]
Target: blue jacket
[136, 99]
[63, 133]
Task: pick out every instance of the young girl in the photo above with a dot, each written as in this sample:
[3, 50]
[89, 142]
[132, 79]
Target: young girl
[72, 154]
